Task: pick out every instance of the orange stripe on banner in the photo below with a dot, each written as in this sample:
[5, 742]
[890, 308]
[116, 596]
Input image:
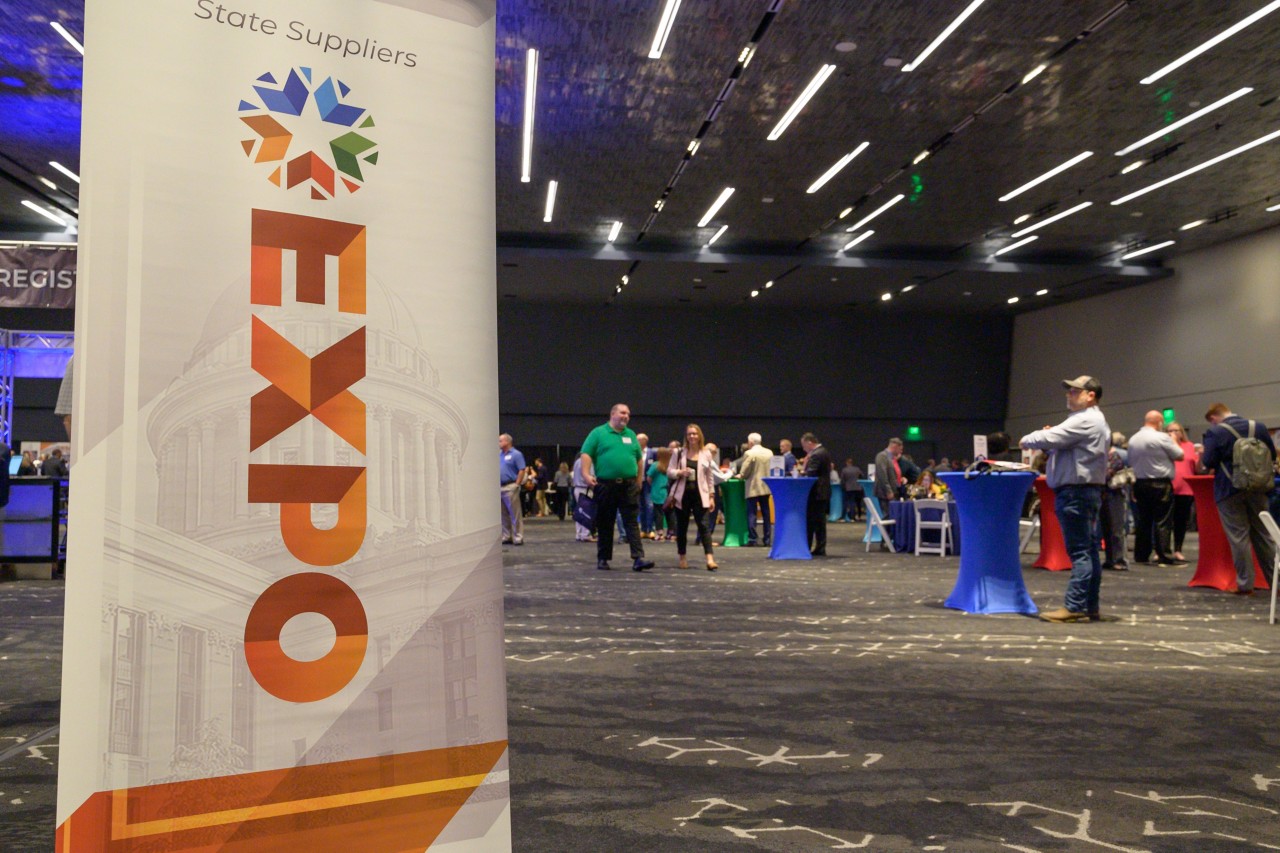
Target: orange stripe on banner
[121, 829]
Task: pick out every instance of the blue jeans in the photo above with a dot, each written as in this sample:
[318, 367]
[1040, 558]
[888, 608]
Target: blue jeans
[1077, 510]
[646, 509]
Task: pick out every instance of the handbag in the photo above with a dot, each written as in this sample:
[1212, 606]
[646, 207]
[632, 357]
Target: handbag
[586, 509]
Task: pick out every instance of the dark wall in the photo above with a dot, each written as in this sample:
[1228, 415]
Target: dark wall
[34, 399]
[854, 378]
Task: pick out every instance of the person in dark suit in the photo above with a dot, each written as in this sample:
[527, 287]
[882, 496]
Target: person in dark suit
[817, 463]
[55, 465]
[889, 479]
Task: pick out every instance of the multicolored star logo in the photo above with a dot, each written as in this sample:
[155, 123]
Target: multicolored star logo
[280, 113]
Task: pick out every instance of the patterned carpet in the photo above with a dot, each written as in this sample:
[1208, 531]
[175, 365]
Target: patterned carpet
[824, 705]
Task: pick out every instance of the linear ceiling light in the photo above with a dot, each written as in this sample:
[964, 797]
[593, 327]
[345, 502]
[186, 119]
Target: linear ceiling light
[951, 28]
[1239, 93]
[885, 297]
[835, 170]
[1021, 219]
[846, 212]
[667, 21]
[1220, 37]
[1133, 167]
[1033, 74]
[1012, 300]
[615, 231]
[62, 31]
[879, 210]
[768, 284]
[1044, 291]
[48, 183]
[1147, 249]
[551, 201]
[1047, 175]
[809, 91]
[715, 207]
[856, 240]
[64, 170]
[530, 101]
[716, 236]
[1193, 224]
[921, 157]
[1273, 208]
[46, 214]
[1042, 223]
[1262, 140]
[1022, 242]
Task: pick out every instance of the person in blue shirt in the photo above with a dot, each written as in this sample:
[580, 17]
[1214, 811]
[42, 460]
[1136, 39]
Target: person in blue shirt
[1238, 510]
[511, 474]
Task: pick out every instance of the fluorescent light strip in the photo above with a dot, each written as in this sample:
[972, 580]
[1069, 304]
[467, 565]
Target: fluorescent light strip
[921, 157]
[879, 210]
[1013, 300]
[1133, 167]
[716, 236]
[856, 240]
[1044, 291]
[1273, 208]
[1239, 93]
[48, 183]
[64, 170]
[809, 91]
[1262, 140]
[1220, 37]
[1047, 175]
[754, 294]
[1193, 224]
[1148, 249]
[62, 31]
[530, 102]
[1012, 246]
[667, 21]
[715, 207]
[951, 28]
[835, 170]
[1042, 223]
[1033, 74]
[615, 231]
[551, 201]
[46, 214]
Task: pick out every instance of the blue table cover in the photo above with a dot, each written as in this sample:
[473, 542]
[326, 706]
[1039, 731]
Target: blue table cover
[790, 528]
[990, 576]
[904, 531]
[837, 503]
[873, 533]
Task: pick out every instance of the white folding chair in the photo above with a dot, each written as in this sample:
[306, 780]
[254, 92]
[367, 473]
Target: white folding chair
[1274, 532]
[1029, 527]
[942, 525]
[874, 519]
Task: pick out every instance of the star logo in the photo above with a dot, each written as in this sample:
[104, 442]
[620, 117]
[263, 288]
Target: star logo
[310, 135]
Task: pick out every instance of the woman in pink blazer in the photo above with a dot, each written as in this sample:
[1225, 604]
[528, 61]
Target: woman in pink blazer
[692, 492]
[1182, 497]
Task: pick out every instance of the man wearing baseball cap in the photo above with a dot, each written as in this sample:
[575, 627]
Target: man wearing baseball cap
[1077, 473]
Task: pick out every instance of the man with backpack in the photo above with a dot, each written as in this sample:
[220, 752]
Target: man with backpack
[1241, 455]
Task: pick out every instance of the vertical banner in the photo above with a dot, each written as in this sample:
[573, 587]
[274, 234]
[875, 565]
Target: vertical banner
[284, 594]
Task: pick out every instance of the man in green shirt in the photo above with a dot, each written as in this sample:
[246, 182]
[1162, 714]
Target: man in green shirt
[611, 464]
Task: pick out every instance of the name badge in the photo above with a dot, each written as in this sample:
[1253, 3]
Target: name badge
[626, 439]
[507, 457]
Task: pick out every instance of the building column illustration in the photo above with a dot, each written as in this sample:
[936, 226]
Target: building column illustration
[191, 484]
[431, 475]
[450, 469]
[386, 450]
[205, 510]
[240, 500]
[419, 474]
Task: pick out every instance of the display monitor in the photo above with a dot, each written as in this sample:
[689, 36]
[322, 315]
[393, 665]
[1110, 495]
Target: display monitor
[14, 464]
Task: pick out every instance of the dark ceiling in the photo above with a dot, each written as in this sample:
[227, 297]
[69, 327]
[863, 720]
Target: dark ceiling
[613, 128]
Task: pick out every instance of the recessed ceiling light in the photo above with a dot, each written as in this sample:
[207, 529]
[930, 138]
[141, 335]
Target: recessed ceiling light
[892, 62]
[72, 40]
[1220, 37]
[46, 214]
[951, 28]
[846, 46]
[835, 169]
[908, 288]
[1194, 224]
[665, 23]
[885, 297]
[767, 200]
[1213, 161]
[551, 201]
[1047, 175]
[748, 53]
[1273, 208]
[1043, 222]
[879, 210]
[1012, 246]
[715, 207]
[1133, 167]
[1239, 93]
[1033, 74]
[694, 146]
[615, 231]
[1044, 291]
[626, 279]
[697, 280]
[768, 284]
[617, 289]
[530, 102]
[921, 157]
[717, 235]
[809, 91]
[855, 241]
[968, 293]
[754, 294]
[64, 170]
[846, 212]
[1146, 250]
[48, 183]
[1013, 300]
[1021, 219]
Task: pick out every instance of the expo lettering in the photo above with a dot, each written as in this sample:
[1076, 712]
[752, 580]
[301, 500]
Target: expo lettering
[208, 10]
[302, 386]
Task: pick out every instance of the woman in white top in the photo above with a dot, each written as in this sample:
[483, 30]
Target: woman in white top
[692, 472]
